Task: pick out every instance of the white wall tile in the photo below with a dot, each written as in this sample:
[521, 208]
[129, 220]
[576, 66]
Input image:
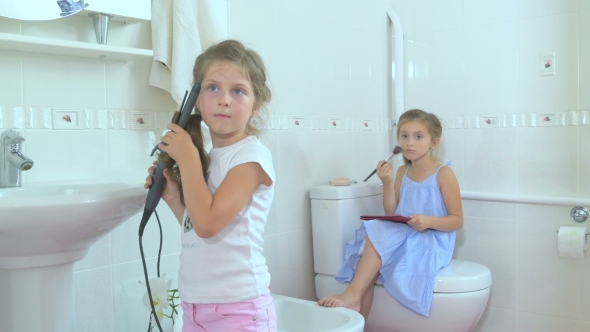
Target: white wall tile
[125, 239]
[488, 12]
[296, 81]
[435, 16]
[491, 69]
[65, 82]
[93, 300]
[64, 155]
[584, 35]
[129, 153]
[489, 160]
[266, 4]
[116, 84]
[11, 84]
[547, 285]
[537, 8]
[498, 319]
[537, 166]
[584, 145]
[548, 93]
[539, 323]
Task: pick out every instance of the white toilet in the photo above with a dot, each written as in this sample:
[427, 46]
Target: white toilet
[461, 291]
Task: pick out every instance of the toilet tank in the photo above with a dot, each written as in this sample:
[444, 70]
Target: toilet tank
[335, 216]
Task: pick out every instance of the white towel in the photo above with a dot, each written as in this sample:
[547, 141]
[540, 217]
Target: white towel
[181, 30]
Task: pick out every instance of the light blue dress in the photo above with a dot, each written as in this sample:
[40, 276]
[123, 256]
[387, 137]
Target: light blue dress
[410, 259]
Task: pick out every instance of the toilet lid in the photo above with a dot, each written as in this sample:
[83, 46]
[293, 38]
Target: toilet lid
[462, 276]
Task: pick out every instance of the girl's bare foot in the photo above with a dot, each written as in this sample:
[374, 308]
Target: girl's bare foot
[345, 300]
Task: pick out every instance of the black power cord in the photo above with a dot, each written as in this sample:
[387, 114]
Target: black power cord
[147, 282]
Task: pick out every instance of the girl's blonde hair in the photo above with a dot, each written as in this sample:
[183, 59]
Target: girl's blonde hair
[254, 70]
[430, 120]
[193, 127]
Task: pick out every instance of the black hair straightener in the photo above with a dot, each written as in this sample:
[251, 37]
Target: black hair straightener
[157, 188]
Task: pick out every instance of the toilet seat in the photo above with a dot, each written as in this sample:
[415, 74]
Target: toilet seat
[461, 277]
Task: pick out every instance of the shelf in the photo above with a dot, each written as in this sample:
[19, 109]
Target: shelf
[21, 43]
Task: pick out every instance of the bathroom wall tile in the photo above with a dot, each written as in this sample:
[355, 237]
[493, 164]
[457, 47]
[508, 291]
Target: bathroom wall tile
[296, 249]
[498, 319]
[584, 66]
[584, 289]
[537, 168]
[12, 117]
[136, 35]
[547, 285]
[489, 160]
[141, 95]
[488, 12]
[369, 79]
[368, 148]
[582, 327]
[437, 16]
[128, 291]
[266, 4]
[491, 69]
[63, 155]
[256, 27]
[93, 300]
[99, 255]
[584, 5]
[540, 323]
[272, 244]
[333, 70]
[65, 82]
[338, 12]
[124, 250]
[548, 94]
[535, 8]
[129, 153]
[449, 150]
[296, 81]
[11, 84]
[584, 145]
[497, 210]
[303, 8]
[117, 83]
[38, 118]
[549, 213]
[486, 241]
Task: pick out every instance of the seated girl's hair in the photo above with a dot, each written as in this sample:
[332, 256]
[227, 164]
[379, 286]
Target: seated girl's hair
[430, 120]
[253, 69]
[193, 127]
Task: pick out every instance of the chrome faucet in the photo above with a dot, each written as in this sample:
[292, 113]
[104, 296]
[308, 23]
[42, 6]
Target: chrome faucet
[12, 160]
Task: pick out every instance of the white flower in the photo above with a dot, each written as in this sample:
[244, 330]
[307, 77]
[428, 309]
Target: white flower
[159, 288]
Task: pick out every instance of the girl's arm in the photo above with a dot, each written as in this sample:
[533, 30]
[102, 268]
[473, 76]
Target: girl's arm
[391, 192]
[449, 187]
[210, 213]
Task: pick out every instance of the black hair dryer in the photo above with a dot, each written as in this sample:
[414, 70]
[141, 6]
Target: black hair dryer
[159, 181]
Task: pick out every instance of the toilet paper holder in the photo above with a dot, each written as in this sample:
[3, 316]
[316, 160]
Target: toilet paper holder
[579, 214]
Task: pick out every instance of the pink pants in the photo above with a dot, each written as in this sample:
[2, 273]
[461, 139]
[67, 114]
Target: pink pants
[251, 315]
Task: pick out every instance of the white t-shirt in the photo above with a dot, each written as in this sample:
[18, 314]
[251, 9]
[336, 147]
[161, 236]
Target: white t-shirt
[229, 267]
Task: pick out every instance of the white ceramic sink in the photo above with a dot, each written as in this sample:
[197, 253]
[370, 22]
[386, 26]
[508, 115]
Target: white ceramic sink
[44, 229]
[53, 223]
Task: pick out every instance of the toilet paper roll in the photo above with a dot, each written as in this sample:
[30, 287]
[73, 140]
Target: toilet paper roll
[571, 241]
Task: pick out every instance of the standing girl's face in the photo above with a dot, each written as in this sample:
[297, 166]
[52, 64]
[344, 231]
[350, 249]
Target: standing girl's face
[415, 140]
[226, 102]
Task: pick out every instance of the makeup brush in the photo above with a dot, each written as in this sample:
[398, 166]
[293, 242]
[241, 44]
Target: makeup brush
[396, 150]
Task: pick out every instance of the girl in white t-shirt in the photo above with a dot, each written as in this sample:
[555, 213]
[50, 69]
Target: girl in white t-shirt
[222, 208]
